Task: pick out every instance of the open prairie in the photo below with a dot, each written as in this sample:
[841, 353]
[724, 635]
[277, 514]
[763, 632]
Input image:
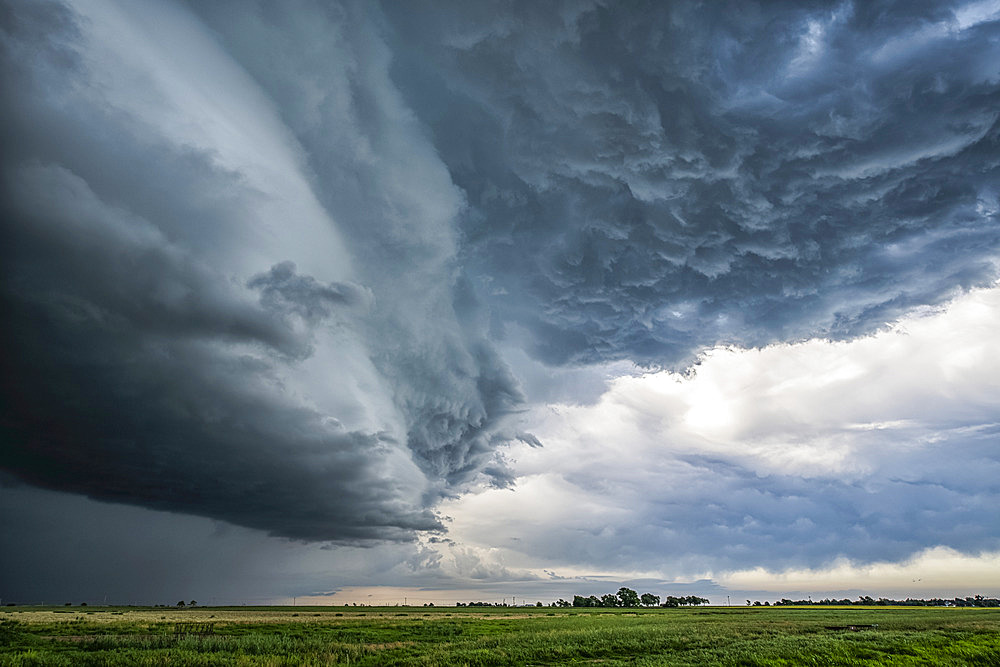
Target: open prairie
[498, 636]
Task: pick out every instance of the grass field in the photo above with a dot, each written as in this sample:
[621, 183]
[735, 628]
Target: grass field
[498, 636]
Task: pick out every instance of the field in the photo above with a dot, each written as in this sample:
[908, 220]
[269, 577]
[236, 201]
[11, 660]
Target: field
[498, 636]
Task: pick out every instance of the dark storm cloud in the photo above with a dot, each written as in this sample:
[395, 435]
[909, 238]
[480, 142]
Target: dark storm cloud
[646, 181]
[281, 289]
[184, 328]
[256, 260]
[81, 550]
[116, 384]
[387, 187]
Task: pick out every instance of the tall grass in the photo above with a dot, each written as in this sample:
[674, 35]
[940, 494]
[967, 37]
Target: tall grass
[447, 636]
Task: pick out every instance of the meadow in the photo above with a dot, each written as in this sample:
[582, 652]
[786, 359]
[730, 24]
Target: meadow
[498, 636]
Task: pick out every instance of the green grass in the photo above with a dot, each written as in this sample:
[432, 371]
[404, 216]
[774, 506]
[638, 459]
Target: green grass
[498, 636]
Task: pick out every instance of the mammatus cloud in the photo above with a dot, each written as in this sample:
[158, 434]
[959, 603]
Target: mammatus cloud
[645, 183]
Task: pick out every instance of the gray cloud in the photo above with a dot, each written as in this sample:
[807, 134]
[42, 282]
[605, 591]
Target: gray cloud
[694, 513]
[284, 291]
[186, 327]
[79, 550]
[385, 183]
[275, 277]
[88, 551]
[647, 182]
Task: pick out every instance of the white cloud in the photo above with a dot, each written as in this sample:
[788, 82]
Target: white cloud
[975, 13]
[965, 17]
[873, 450]
[934, 571]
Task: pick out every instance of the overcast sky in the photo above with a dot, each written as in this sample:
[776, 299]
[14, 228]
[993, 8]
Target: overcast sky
[448, 300]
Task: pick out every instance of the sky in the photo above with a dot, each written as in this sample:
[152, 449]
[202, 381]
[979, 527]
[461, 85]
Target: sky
[361, 302]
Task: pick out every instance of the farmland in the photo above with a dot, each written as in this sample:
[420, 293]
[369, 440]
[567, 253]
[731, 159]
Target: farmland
[498, 636]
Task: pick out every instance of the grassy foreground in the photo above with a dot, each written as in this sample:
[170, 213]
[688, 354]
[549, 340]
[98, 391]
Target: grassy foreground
[477, 636]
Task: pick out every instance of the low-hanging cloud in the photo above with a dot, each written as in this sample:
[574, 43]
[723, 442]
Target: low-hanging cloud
[199, 316]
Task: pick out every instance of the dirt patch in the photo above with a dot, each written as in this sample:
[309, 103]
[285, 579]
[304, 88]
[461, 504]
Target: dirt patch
[388, 646]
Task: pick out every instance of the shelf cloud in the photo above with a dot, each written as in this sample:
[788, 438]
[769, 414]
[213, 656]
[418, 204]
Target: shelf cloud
[357, 273]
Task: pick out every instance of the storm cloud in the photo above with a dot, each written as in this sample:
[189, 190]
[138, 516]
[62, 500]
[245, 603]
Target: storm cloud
[190, 327]
[649, 181]
[327, 270]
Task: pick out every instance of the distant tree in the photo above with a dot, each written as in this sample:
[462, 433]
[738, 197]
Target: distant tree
[83, 604]
[69, 604]
[649, 600]
[609, 600]
[180, 603]
[627, 597]
[193, 603]
[538, 604]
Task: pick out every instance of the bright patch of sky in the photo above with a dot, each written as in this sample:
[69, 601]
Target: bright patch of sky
[772, 451]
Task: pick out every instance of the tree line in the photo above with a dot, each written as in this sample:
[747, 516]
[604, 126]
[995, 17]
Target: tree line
[973, 601]
[626, 597]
